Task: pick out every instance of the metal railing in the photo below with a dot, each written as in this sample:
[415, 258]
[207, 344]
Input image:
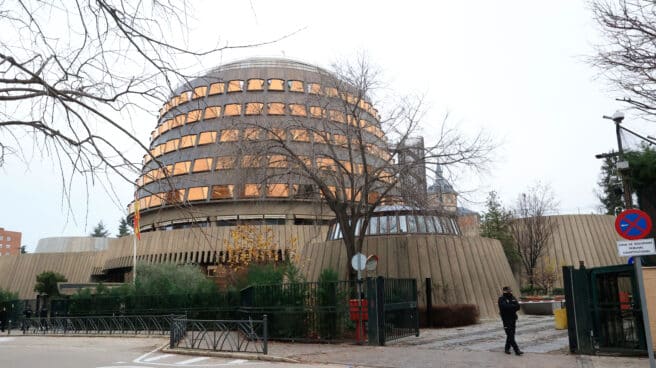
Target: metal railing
[100, 325]
[220, 335]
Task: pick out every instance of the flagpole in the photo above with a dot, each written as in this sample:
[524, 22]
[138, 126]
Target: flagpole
[134, 261]
[137, 236]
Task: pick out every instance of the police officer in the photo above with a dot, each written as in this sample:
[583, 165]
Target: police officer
[508, 307]
[3, 319]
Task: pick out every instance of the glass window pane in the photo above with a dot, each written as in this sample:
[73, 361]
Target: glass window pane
[222, 191]
[171, 145]
[412, 224]
[278, 161]
[203, 164]
[229, 135]
[317, 112]
[199, 92]
[277, 134]
[438, 225]
[232, 110]
[187, 141]
[314, 88]
[193, 116]
[321, 137]
[299, 135]
[217, 88]
[255, 84]
[421, 224]
[252, 134]
[206, 138]
[184, 97]
[251, 161]
[295, 86]
[393, 227]
[275, 108]
[212, 112]
[430, 223]
[373, 226]
[254, 108]
[225, 162]
[178, 121]
[251, 190]
[384, 226]
[181, 168]
[277, 190]
[331, 92]
[276, 85]
[297, 110]
[235, 86]
[337, 116]
[197, 194]
[403, 226]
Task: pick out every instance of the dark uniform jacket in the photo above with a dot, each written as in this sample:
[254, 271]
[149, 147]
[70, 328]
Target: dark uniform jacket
[508, 307]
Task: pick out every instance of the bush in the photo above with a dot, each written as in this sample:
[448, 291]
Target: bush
[451, 315]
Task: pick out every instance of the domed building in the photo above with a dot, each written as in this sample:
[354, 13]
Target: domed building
[220, 154]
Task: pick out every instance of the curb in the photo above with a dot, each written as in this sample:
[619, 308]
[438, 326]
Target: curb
[222, 354]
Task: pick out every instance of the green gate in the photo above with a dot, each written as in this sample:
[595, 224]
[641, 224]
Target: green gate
[392, 310]
[603, 310]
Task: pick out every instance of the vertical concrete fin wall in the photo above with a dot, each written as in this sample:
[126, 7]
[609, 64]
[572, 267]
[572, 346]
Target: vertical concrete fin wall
[18, 273]
[468, 270]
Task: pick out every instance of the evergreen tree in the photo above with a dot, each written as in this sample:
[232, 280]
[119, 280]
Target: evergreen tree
[100, 231]
[46, 283]
[495, 224]
[123, 228]
[611, 186]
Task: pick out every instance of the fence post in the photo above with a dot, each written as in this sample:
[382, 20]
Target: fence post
[171, 336]
[429, 302]
[265, 326]
[380, 309]
[414, 297]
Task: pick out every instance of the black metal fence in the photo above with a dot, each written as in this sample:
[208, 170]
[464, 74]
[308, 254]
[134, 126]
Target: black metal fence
[392, 309]
[100, 325]
[220, 335]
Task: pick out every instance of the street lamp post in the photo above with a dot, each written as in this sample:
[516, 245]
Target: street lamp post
[622, 165]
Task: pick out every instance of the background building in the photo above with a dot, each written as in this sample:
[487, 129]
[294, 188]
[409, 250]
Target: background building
[10, 242]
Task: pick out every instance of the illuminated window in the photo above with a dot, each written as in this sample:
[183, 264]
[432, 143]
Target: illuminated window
[335, 115]
[299, 135]
[275, 108]
[165, 126]
[251, 190]
[277, 161]
[252, 134]
[317, 112]
[202, 164]
[181, 168]
[171, 145]
[297, 110]
[321, 137]
[212, 112]
[146, 159]
[255, 85]
[277, 190]
[153, 134]
[197, 194]
[222, 191]
[157, 151]
[199, 92]
[235, 86]
[326, 163]
[156, 199]
[251, 161]
[331, 92]
[206, 138]
[277, 134]
[346, 166]
[373, 197]
[340, 139]
[187, 141]
[178, 121]
[217, 88]
[166, 171]
[232, 110]
[229, 135]
[225, 162]
[276, 85]
[184, 97]
[193, 116]
[254, 108]
[175, 101]
[174, 196]
[295, 86]
[314, 88]
[144, 202]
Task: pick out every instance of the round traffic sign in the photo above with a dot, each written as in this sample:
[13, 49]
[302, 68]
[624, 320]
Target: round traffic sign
[372, 262]
[633, 224]
[359, 261]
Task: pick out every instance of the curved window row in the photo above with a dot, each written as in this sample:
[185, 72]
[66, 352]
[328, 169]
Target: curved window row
[268, 109]
[403, 223]
[272, 84]
[227, 192]
[257, 134]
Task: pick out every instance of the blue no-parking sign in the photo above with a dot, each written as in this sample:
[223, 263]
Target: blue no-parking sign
[633, 224]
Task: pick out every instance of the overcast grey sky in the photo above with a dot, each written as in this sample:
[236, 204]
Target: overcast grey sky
[514, 68]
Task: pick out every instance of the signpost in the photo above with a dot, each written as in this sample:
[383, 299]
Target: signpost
[635, 225]
[359, 263]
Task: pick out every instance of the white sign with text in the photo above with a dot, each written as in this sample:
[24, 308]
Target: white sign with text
[641, 247]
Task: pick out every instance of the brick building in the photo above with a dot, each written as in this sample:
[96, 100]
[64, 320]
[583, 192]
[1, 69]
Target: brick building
[10, 242]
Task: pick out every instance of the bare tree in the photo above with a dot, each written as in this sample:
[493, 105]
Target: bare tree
[359, 160]
[74, 74]
[532, 228]
[628, 55]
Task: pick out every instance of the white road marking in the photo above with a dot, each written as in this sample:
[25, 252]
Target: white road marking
[193, 360]
[157, 357]
[5, 339]
[238, 361]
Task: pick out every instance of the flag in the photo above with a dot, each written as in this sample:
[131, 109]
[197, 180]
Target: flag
[136, 219]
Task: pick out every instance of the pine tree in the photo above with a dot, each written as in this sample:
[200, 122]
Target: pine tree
[495, 224]
[100, 231]
[123, 228]
[611, 186]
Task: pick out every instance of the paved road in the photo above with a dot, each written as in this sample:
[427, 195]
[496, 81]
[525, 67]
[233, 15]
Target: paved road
[109, 352]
